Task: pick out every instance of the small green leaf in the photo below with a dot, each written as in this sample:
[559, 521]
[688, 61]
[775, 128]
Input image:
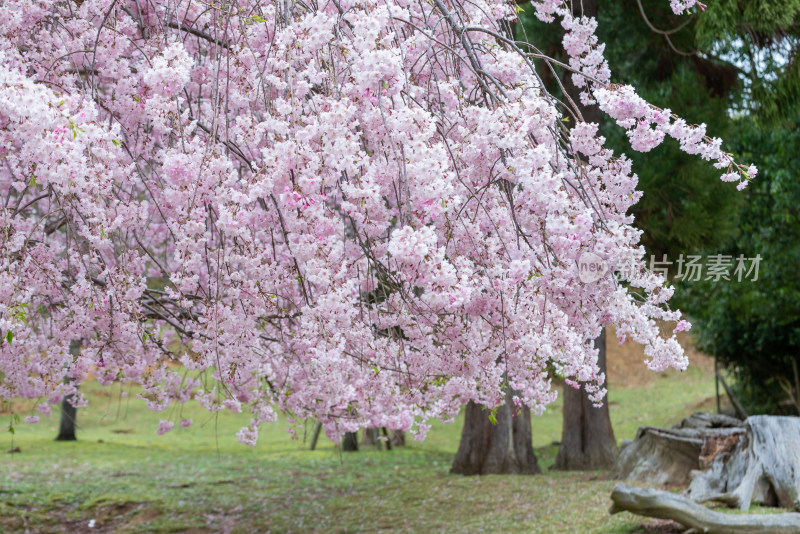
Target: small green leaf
[493, 416]
[9, 336]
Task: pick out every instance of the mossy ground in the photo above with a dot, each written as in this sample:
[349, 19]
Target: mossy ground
[200, 479]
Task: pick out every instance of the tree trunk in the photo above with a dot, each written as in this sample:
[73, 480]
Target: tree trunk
[315, 436]
[350, 441]
[587, 438]
[370, 438]
[504, 447]
[69, 413]
[397, 438]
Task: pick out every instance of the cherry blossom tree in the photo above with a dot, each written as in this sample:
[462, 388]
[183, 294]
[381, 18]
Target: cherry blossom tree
[368, 212]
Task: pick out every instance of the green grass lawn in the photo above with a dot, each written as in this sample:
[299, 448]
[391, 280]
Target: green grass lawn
[200, 479]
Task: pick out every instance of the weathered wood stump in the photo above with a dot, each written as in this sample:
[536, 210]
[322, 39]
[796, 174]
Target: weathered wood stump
[669, 456]
[761, 465]
[666, 505]
[755, 461]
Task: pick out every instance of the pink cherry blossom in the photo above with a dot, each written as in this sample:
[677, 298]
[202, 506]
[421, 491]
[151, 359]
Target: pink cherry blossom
[366, 213]
[164, 426]
[682, 326]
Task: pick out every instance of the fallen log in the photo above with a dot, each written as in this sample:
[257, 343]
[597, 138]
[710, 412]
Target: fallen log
[665, 505]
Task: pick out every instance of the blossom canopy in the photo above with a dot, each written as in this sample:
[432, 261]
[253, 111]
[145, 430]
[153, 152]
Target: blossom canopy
[363, 211]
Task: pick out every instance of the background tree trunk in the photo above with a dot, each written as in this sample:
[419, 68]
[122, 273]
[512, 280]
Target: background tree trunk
[397, 438]
[370, 438]
[504, 447]
[380, 437]
[587, 438]
[350, 441]
[69, 413]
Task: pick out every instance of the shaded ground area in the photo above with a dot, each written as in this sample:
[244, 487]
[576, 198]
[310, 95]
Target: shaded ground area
[125, 478]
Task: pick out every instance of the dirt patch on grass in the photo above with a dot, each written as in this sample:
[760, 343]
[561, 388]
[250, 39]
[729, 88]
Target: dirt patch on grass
[104, 518]
[140, 517]
[626, 367]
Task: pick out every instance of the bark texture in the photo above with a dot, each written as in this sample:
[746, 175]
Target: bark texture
[666, 505]
[504, 447]
[587, 438]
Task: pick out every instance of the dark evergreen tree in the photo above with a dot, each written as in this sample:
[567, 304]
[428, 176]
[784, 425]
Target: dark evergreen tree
[753, 326]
